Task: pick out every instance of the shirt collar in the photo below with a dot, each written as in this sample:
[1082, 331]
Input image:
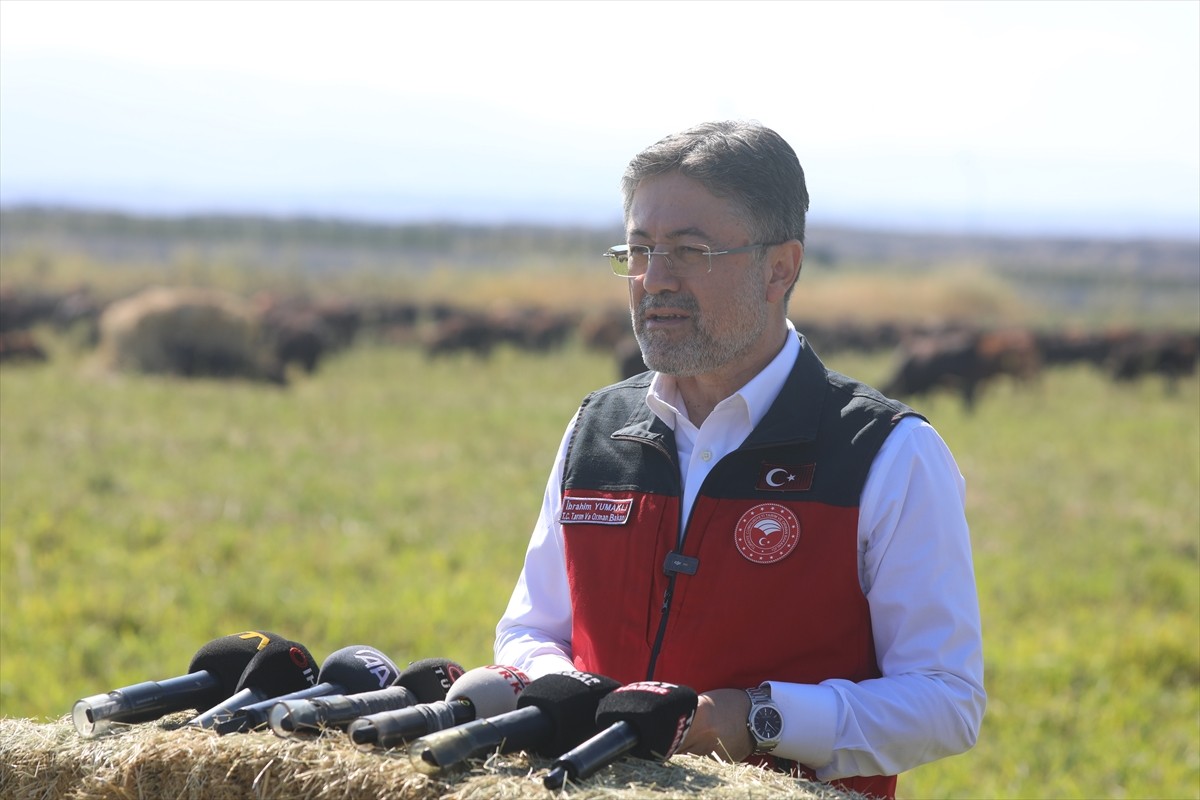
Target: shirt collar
[756, 395]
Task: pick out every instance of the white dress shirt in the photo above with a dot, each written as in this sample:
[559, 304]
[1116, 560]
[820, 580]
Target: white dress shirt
[915, 569]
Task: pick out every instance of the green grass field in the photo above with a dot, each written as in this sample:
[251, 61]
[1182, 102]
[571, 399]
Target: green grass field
[387, 501]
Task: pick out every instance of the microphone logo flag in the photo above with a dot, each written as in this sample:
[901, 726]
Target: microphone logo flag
[263, 639]
[684, 721]
[516, 679]
[300, 659]
[382, 671]
[652, 687]
[681, 728]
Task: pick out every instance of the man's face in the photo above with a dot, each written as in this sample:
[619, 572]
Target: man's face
[703, 322]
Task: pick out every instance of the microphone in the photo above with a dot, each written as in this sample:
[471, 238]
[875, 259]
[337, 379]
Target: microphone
[421, 682]
[554, 713]
[212, 674]
[481, 692]
[647, 719]
[350, 670]
[431, 678]
[283, 666]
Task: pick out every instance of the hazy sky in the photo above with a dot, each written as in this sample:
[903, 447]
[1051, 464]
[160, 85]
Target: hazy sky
[1063, 116]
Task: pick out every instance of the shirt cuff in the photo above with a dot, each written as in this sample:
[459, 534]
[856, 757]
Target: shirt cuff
[809, 722]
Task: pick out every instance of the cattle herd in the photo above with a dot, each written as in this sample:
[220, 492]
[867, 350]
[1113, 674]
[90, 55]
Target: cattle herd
[204, 332]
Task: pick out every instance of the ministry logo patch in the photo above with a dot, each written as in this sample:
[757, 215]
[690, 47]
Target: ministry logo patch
[767, 533]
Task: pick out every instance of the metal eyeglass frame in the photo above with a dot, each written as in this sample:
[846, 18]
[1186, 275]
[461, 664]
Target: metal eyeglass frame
[618, 257]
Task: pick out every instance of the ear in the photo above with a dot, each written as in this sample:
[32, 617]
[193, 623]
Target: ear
[784, 265]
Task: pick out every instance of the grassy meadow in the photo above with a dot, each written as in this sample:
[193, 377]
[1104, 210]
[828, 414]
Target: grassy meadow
[387, 500]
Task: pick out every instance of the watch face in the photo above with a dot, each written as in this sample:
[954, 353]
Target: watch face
[767, 723]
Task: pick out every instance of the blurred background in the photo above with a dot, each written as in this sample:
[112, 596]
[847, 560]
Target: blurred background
[386, 221]
[1050, 117]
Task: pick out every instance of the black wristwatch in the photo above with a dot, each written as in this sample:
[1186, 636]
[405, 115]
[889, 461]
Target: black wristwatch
[765, 722]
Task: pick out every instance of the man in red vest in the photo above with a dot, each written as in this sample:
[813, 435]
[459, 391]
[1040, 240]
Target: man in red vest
[739, 519]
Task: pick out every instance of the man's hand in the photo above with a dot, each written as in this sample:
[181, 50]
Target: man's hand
[719, 728]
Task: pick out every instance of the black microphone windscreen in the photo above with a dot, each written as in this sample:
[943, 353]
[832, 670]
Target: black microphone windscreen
[282, 666]
[660, 712]
[358, 668]
[212, 676]
[429, 679]
[226, 659]
[569, 700]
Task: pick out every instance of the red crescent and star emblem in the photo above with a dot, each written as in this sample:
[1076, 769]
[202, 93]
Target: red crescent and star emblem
[767, 533]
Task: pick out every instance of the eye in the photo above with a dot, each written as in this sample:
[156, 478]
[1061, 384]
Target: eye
[639, 253]
[691, 256]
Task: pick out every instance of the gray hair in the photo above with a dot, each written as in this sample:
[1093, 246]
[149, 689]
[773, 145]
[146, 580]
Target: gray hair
[745, 162]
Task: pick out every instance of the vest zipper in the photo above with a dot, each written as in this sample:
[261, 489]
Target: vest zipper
[670, 590]
[668, 594]
[662, 628]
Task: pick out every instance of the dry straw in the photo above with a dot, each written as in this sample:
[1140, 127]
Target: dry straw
[160, 760]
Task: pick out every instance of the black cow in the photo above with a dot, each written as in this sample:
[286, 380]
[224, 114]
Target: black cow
[464, 331]
[20, 346]
[1172, 355]
[962, 360]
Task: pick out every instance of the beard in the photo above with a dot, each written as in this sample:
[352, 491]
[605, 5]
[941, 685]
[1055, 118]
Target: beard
[709, 345]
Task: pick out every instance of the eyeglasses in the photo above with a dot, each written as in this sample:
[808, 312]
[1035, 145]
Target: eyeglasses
[632, 260]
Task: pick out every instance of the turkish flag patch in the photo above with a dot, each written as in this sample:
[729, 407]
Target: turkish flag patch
[785, 477]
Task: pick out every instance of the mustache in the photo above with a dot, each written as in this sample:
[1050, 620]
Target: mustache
[677, 302]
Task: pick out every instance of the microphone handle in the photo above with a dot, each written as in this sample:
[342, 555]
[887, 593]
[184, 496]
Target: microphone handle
[290, 717]
[224, 710]
[389, 728]
[513, 730]
[141, 702]
[602, 749]
[255, 714]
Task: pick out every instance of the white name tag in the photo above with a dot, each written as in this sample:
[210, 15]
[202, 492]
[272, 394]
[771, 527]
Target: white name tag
[595, 511]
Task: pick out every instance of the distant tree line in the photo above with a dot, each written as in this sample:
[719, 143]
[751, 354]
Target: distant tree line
[115, 233]
[107, 232]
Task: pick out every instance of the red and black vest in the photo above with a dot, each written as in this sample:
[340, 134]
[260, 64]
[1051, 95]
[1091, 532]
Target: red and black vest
[765, 584]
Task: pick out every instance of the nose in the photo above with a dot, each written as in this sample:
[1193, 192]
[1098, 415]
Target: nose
[658, 276]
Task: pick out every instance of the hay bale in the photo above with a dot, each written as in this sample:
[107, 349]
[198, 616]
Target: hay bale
[168, 759]
[185, 331]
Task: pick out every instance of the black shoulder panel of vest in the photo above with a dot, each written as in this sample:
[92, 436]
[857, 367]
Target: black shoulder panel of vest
[620, 445]
[824, 428]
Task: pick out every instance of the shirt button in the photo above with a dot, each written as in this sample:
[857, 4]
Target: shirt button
[706, 455]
